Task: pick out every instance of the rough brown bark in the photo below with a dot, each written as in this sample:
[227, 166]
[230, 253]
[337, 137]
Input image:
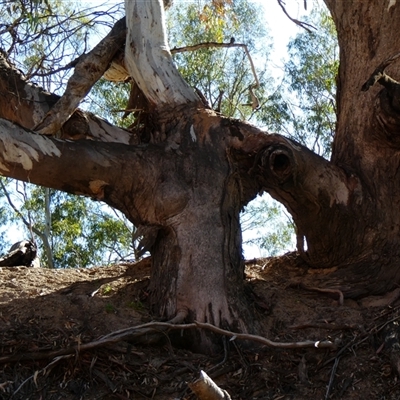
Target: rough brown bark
[366, 146]
[27, 104]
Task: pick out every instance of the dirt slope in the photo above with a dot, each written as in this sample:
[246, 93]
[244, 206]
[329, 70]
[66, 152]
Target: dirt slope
[46, 313]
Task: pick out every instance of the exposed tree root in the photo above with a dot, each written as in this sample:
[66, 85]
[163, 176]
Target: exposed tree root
[337, 292]
[153, 332]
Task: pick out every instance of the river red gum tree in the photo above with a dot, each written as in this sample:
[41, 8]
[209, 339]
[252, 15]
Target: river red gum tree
[184, 186]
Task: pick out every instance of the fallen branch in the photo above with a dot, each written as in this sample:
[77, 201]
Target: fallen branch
[259, 339]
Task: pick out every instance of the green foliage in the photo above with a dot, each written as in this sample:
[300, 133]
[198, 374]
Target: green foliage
[305, 106]
[109, 308]
[40, 37]
[82, 231]
[109, 100]
[221, 73]
[137, 305]
[106, 290]
[271, 229]
[5, 219]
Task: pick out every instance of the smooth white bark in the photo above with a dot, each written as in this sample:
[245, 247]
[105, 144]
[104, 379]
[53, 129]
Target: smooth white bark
[148, 58]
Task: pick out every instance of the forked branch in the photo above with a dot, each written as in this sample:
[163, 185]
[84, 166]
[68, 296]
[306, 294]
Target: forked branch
[302, 24]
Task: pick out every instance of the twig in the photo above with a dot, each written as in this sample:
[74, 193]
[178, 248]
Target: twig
[302, 24]
[70, 65]
[219, 45]
[160, 327]
[3, 385]
[364, 337]
[332, 378]
[44, 370]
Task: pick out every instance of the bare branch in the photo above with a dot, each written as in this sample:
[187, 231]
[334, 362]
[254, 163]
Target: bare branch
[207, 45]
[302, 24]
[259, 339]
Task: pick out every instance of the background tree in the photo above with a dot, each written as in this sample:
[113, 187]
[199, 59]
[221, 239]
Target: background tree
[222, 75]
[70, 231]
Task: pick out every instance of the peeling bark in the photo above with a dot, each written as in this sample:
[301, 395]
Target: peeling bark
[148, 58]
[27, 104]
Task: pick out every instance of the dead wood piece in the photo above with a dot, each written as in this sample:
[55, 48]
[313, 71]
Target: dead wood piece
[379, 73]
[332, 378]
[23, 253]
[206, 389]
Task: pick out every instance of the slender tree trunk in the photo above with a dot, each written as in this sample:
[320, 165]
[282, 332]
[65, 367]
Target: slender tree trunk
[47, 229]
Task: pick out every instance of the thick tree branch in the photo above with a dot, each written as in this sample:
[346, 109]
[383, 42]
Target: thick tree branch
[89, 69]
[148, 59]
[318, 194]
[27, 104]
[86, 168]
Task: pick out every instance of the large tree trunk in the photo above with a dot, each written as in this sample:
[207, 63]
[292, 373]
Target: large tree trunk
[364, 241]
